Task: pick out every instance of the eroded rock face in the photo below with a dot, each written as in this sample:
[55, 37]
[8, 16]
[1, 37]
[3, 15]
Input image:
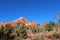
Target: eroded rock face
[49, 39]
[50, 32]
[21, 20]
[32, 24]
[45, 23]
[3, 24]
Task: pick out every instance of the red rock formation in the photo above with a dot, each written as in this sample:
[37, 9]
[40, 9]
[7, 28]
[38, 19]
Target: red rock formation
[13, 23]
[21, 20]
[45, 23]
[34, 23]
[49, 39]
[50, 32]
[31, 24]
[3, 24]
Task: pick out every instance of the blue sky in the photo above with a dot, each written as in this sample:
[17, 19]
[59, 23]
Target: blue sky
[38, 10]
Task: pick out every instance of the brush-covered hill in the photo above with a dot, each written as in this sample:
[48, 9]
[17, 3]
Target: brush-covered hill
[22, 29]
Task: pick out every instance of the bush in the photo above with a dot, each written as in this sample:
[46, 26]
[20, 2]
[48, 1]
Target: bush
[39, 37]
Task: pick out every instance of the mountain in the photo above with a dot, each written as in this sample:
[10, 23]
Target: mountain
[20, 20]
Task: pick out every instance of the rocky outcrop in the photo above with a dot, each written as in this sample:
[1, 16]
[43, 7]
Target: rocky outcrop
[20, 20]
[45, 23]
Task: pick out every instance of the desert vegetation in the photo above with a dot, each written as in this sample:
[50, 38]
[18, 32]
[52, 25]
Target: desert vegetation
[21, 29]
